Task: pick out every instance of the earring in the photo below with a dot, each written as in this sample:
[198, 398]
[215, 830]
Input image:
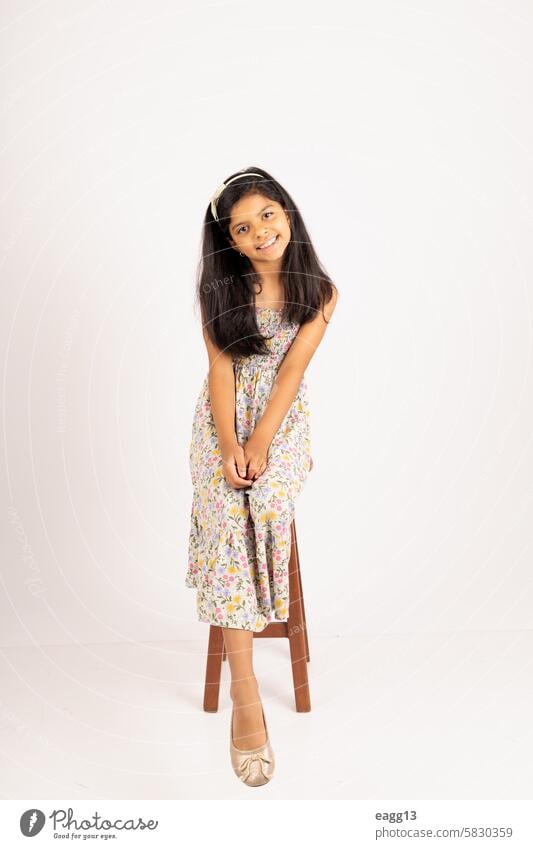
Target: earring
[241, 253]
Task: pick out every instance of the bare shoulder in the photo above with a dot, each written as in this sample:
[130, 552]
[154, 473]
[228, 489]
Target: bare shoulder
[214, 353]
[324, 315]
[329, 306]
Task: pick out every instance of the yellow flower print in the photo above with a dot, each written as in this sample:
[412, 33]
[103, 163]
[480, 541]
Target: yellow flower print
[233, 510]
[268, 516]
[237, 599]
[231, 569]
[230, 607]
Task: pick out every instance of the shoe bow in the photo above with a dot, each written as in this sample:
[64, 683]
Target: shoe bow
[247, 764]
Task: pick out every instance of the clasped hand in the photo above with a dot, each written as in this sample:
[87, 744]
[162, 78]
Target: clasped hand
[242, 464]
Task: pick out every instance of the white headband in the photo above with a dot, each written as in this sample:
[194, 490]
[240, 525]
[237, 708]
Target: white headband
[214, 199]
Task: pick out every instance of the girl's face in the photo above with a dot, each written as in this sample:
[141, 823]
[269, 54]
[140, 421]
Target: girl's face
[259, 228]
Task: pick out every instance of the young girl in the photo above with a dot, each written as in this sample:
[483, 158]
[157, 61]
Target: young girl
[265, 304]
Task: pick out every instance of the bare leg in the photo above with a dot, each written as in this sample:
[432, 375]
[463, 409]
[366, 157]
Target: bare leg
[248, 727]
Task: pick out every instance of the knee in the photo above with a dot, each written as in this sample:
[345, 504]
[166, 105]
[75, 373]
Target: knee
[269, 502]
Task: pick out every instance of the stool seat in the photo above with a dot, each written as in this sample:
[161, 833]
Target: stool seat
[295, 629]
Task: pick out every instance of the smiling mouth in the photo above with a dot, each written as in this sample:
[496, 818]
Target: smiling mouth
[267, 245]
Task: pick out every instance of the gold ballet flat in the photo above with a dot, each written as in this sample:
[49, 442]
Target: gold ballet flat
[253, 766]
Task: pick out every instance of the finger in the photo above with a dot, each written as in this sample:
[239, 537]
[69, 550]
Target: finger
[238, 482]
[261, 471]
[239, 466]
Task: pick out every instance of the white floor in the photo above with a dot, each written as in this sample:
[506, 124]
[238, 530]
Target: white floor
[439, 716]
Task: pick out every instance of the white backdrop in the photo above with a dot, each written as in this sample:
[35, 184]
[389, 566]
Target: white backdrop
[404, 134]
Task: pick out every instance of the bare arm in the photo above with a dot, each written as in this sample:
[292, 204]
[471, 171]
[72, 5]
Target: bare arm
[221, 392]
[222, 398]
[291, 372]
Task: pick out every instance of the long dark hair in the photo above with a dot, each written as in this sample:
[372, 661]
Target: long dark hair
[225, 287]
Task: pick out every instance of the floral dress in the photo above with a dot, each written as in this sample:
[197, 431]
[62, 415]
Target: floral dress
[240, 539]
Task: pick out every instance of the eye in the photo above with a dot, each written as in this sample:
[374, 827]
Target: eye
[268, 212]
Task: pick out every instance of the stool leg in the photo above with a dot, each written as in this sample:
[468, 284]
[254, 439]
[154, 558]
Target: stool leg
[301, 593]
[296, 634]
[213, 668]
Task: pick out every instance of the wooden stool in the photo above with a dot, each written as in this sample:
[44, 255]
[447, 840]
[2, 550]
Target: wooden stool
[294, 629]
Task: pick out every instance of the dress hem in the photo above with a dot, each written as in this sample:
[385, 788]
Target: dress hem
[243, 627]
[223, 624]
